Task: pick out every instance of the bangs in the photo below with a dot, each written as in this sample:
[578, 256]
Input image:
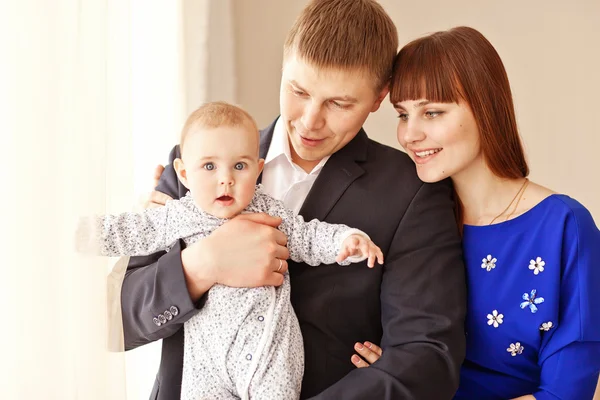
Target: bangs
[422, 70]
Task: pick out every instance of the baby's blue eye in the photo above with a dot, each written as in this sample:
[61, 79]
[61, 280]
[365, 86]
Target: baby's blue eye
[209, 166]
[239, 166]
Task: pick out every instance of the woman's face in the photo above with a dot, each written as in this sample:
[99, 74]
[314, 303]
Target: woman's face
[441, 138]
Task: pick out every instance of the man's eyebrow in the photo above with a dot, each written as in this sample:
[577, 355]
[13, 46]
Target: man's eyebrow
[345, 99]
[296, 84]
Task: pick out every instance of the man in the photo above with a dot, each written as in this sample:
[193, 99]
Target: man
[318, 160]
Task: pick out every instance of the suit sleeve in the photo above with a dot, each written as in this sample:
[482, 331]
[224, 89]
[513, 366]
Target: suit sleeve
[155, 285]
[570, 355]
[423, 305]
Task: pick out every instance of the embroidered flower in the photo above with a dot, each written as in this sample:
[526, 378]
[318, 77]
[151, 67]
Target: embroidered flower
[488, 263]
[515, 348]
[531, 300]
[537, 265]
[546, 326]
[494, 318]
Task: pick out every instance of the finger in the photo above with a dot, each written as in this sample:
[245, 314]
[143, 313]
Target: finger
[157, 173]
[379, 256]
[372, 256]
[274, 279]
[281, 239]
[261, 218]
[374, 348]
[364, 249]
[284, 266]
[159, 198]
[366, 353]
[358, 362]
[342, 255]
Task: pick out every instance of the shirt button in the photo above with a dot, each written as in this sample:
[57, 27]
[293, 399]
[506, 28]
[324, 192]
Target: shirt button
[249, 357]
[174, 310]
[261, 318]
[156, 321]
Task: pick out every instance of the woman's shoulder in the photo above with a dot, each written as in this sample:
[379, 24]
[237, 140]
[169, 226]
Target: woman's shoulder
[556, 203]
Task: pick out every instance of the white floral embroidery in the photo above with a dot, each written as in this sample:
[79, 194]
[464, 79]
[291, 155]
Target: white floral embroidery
[495, 319]
[515, 348]
[488, 263]
[546, 326]
[537, 265]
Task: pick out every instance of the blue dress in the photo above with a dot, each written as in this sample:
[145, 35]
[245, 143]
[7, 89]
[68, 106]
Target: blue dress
[533, 320]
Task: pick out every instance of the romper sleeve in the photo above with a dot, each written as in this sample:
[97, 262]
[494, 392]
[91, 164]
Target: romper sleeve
[570, 355]
[125, 234]
[313, 242]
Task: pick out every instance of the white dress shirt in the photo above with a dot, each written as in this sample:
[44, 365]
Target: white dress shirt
[283, 179]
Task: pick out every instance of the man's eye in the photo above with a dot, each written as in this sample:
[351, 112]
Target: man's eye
[339, 105]
[240, 166]
[403, 116]
[209, 166]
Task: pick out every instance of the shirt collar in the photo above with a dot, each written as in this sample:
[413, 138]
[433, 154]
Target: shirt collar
[280, 147]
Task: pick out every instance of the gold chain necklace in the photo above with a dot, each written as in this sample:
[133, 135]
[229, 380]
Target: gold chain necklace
[521, 191]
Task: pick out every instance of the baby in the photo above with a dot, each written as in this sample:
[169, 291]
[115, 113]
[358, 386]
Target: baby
[245, 342]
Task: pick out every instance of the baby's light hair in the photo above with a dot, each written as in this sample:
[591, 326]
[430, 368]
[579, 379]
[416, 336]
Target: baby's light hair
[216, 114]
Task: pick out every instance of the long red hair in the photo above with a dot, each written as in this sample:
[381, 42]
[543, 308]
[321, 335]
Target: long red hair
[462, 65]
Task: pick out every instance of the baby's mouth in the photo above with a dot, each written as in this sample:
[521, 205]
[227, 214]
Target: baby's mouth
[225, 200]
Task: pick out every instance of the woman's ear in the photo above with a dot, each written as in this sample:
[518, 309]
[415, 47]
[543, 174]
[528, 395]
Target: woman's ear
[181, 171]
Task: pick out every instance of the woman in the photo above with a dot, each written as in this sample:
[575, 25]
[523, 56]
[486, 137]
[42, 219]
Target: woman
[533, 322]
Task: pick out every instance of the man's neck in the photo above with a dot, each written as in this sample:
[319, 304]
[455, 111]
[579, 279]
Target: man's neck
[306, 165]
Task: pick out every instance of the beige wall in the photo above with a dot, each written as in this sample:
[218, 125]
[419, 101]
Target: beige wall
[550, 49]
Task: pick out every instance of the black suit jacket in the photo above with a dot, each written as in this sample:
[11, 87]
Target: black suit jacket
[413, 305]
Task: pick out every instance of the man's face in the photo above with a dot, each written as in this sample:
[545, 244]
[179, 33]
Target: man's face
[323, 109]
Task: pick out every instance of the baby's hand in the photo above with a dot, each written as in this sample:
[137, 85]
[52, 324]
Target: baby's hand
[358, 245]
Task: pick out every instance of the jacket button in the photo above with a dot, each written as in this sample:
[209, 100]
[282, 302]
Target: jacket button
[162, 319]
[168, 315]
[174, 310]
[156, 321]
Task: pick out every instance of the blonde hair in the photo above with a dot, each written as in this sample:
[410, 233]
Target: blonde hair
[346, 34]
[216, 114]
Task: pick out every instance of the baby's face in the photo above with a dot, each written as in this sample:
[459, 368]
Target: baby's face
[222, 165]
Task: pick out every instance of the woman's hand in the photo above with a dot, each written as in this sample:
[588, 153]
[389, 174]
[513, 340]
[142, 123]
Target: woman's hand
[368, 353]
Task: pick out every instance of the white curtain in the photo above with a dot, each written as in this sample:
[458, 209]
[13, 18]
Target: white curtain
[93, 94]
[64, 108]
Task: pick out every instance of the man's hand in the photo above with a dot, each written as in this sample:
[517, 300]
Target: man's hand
[361, 246]
[156, 198]
[247, 251]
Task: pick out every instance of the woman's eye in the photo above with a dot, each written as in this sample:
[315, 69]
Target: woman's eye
[432, 114]
[403, 116]
[209, 166]
[240, 166]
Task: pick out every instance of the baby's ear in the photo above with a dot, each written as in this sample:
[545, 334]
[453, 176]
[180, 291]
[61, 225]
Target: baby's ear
[181, 171]
[261, 165]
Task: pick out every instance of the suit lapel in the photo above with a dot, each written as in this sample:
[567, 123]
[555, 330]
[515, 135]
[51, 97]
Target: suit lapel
[266, 135]
[338, 173]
